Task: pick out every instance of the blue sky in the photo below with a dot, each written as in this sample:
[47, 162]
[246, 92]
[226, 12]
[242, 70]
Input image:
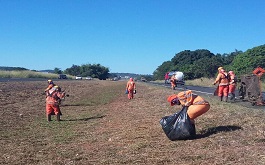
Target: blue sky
[127, 36]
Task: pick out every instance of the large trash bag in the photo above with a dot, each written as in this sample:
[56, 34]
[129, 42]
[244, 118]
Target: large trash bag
[215, 93]
[178, 126]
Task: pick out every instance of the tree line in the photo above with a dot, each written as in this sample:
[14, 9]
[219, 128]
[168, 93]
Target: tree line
[194, 64]
[93, 70]
[202, 63]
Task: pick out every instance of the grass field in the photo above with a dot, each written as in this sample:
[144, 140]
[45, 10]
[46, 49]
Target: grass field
[101, 126]
[29, 74]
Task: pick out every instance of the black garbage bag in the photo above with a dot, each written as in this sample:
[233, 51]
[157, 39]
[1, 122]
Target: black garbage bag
[178, 126]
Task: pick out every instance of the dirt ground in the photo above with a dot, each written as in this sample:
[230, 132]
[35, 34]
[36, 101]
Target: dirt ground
[101, 126]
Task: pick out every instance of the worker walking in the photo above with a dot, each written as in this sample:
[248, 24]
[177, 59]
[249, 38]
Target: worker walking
[223, 82]
[53, 99]
[195, 103]
[173, 81]
[232, 85]
[166, 77]
[131, 88]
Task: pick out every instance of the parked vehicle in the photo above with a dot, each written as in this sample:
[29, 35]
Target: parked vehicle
[143, 79]
[178, 75]
[89, 78]
[62, 76]
[78, 77]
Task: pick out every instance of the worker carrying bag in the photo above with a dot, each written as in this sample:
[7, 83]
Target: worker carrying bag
[178, 126]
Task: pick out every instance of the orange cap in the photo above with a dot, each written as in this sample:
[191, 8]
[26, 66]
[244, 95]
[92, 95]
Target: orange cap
[171, 97]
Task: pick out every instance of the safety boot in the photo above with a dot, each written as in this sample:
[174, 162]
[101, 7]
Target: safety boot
[49, 117]
[225, 99]
[233, 97]
[230, 96]
[58, 117]
[221, 98]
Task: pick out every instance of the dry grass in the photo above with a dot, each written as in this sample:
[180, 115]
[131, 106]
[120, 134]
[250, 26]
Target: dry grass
[101, 126]
[206, 82]
[201, 82]
[29, 74]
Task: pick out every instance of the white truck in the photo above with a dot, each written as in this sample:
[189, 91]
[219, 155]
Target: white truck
[179, 76]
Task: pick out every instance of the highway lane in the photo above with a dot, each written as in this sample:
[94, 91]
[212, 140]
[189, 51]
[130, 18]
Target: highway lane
[208, 91]
[199, 89]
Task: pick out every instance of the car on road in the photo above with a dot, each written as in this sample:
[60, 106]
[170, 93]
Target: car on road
[62, 76]
[78, 77]
[143, 79]
[89, 78]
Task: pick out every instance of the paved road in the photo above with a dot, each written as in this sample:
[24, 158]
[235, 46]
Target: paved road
[209, 91]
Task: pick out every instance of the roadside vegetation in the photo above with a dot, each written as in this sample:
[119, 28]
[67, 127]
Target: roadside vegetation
[203, 63]
[101, 126]
[208, 82]
[29, 74]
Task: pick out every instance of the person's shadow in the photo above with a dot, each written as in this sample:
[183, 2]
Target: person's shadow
[215, 130]
[87, 118]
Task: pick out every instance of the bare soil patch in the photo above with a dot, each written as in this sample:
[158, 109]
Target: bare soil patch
[101, 126]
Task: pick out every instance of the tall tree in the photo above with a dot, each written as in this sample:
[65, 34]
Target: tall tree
[159, 73]
[246, 62]
[57, 71]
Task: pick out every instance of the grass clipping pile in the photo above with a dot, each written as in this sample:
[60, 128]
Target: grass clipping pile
[101, 126]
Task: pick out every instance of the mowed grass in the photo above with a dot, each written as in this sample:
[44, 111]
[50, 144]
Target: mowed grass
[101, 126]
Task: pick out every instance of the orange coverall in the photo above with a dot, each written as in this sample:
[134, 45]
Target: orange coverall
[166, 77]
[232, 85]
[173, 82]
[49, 87]
[130, 87]
[196, 104]
[52, 102]
[223, 83]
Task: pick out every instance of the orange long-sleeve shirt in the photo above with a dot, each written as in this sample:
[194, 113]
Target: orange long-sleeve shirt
[131, 85]
[193, 99]
[221, 79]
[53, 97]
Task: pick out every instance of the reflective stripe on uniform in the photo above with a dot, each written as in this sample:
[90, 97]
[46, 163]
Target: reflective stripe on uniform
[201, 102]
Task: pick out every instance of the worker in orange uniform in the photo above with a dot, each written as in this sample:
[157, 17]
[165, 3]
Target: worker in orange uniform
[131, 88]
[50, 85]
[196, 104]
[223, 82]
[232, 85]
[166, 77]
[52, 102]
[173, 82]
